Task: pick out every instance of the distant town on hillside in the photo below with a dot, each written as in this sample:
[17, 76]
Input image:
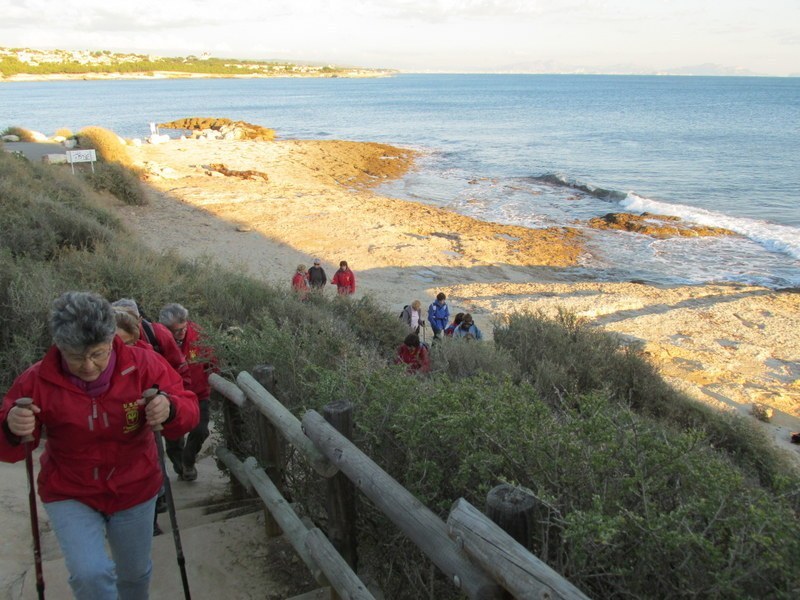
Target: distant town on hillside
[17, 62]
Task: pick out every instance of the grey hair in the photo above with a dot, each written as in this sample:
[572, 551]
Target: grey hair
[172, 314]
[81, 319]
[128, 304]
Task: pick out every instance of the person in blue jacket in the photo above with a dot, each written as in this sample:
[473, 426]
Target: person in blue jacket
[467, 329]
[438, 315]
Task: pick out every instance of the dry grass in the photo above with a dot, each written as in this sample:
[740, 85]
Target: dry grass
[106, 143]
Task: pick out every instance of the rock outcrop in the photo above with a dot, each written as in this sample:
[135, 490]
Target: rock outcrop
[657, 226]
[212, 128]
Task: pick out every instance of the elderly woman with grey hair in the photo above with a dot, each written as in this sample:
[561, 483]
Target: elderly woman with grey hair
[99, 472]
[183, 452]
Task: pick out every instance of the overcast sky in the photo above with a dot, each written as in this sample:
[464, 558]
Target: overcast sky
[758, 36]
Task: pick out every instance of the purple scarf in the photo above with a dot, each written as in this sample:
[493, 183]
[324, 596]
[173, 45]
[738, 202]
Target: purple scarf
[98, 386]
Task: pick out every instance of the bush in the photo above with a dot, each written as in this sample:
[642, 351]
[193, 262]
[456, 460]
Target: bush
[24, 135]
[106, 143]
[119, 181]
[63, 132]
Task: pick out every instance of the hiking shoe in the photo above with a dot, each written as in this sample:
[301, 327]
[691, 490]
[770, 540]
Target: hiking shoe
[178, 469]
[156, 529]
[161, 505]
[189, 473]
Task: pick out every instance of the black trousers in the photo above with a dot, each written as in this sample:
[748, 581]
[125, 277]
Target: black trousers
[183, 451]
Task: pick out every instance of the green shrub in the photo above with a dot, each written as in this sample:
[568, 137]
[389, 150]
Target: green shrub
[118, 180]
[106, 143]
[24, 135]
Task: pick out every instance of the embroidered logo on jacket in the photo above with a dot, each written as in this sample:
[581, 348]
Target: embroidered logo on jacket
[131, 416]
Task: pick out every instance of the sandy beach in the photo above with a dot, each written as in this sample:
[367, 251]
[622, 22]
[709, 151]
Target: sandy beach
[726, 345]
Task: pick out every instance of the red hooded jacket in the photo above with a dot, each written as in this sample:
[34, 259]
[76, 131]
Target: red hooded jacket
[345, 281]
[168, 348]
[201, 361]
[99, 451]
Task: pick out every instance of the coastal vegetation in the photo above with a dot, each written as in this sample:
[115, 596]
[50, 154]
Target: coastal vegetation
[640, 492]
[27, 61]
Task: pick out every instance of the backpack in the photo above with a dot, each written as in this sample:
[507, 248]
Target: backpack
[150, 334]
[402, 312]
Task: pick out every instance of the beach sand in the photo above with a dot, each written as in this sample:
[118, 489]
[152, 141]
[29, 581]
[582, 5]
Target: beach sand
[726, 345]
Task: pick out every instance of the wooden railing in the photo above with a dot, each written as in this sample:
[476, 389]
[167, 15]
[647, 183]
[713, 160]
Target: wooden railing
[475, 554]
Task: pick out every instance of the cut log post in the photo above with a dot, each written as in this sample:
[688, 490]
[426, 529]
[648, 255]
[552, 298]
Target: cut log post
[421, 525]
[514, 511]
[517, 570]
[230, 390]
[285, 422]
[270, 451]
[338, 572]
[293, 528]
[341, 499]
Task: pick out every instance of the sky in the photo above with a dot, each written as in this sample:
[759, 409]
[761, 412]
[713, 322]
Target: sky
[613, 36]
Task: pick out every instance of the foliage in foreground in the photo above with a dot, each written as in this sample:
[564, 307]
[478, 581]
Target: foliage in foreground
[106, 143]
[634, 501]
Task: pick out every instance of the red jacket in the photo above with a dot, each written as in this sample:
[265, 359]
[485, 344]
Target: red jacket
[168, 348]
[345, 281]
[100, 452]
[417, 359]
[201, 361]
[299, 282]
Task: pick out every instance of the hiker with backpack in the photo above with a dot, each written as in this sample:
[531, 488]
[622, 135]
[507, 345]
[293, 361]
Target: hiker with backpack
[183, 452]
[438, 315]
[448, 331]
[411, 315]
[414, 354]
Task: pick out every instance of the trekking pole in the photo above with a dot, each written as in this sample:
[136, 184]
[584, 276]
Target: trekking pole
[37, 548]
[148, 395]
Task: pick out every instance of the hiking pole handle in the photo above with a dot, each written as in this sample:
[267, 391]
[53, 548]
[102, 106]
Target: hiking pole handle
[25, 403]
[148, 395]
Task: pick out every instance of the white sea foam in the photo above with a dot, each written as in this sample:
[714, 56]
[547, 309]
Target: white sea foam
[775, 238]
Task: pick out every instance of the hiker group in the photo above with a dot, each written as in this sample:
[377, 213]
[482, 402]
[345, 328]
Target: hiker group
[109, 381]
[415, 352]
[314, 279]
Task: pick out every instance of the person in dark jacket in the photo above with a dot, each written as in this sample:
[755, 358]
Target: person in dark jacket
[99, 473]
[438, 315]
[344, 280]
[316, 276]
[183, 453]
[412, 316]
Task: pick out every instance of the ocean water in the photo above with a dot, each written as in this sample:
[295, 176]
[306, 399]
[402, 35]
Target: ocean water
[533, 150]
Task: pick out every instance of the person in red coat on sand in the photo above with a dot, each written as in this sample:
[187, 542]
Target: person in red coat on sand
[100, 472]
[344, 280]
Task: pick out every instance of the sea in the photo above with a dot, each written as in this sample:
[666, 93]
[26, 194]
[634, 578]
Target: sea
[532, 150]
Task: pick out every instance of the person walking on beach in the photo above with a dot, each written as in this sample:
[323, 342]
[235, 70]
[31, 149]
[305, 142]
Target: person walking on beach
[300, 282]
[438, 315]
[316, 276]
[412, 316]
[344, 280]
[467, 329]
[183, 452]
[100, 472]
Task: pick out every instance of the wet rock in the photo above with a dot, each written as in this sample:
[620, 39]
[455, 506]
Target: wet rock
[212, 128]
[657, 226]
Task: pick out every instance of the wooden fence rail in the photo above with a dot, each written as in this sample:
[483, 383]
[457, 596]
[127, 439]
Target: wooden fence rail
[476, 555]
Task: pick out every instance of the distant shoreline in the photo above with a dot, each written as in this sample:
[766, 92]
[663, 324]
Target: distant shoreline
[159, 75]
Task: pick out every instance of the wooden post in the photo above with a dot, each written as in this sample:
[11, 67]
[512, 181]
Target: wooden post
[270, 450]
[233, 424]
[341, 499]
[514, 511]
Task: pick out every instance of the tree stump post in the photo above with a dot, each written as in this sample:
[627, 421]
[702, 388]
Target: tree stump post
[269, 444]
[341, 496]
[514, 511]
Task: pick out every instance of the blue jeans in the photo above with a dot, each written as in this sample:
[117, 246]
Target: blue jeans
[82, 533]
